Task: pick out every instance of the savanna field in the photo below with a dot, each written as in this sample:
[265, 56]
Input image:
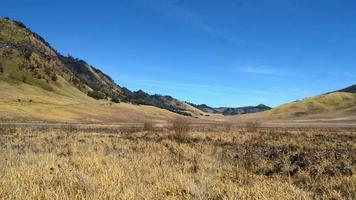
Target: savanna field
[219, 162]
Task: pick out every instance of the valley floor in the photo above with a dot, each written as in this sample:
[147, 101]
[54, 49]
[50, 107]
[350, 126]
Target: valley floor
[177, 163]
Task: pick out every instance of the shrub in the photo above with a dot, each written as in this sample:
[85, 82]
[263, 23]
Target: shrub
[115, 99]
[1, 68]
[23, 78]
[54, 77]
[252, 126]
[48, 70]
[96, 94]
[227, 126]
[148, 126]
[180, 127]
[27, 53]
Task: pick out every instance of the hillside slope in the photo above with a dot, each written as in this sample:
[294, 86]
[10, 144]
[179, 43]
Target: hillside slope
[27, 58]
[343, 102]
[331, 108]
[21, 102]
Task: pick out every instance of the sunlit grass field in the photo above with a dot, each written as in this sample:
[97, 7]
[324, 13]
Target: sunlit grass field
[216, 163]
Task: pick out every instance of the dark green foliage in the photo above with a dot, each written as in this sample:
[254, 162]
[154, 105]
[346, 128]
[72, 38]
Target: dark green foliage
[27, 53]
[141, 97]
[100, 72]
[48, 71]
[23, 78]
[54, 77]
[1, 68]
[115, 99]
[96, 94]
[98, 81]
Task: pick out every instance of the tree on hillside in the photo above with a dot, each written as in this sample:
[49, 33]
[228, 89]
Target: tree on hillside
[96, 94]
[54, 77]
[23, 78]
[27, 53]
[115, 99]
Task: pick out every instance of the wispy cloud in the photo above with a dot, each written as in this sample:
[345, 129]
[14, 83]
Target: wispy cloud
[173, 8]
[265, 70]
[176, 9]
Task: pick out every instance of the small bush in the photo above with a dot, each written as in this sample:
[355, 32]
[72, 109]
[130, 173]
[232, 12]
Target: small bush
[24, 79]
[54, 77]
[115, 99]
[96, 94]
[48, 71]
[252, 126]
[27, 53]
[148, 126]
[181, 128]
[1, 68]
[227, 126]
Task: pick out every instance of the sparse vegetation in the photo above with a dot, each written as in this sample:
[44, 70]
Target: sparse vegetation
[115, 99]
[252, 126]
[97, 163]
[54, 77]
[27, 53]
[181, 128]
[23, 78]
[148, 126]
[96, 94]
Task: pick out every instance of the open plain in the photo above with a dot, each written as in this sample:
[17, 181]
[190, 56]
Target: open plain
[179, 162]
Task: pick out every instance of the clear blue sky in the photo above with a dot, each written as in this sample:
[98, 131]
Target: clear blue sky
[222, 53]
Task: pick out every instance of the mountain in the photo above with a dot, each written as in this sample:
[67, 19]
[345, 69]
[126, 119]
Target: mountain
[25, 57]
[231, 111]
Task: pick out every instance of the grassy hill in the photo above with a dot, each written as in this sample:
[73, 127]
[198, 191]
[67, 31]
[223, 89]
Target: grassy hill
[25, 102]
[26, 59]
[328, 103]
[331, 108]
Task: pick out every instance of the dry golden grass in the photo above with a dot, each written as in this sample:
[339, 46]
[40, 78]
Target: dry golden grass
[102, 163]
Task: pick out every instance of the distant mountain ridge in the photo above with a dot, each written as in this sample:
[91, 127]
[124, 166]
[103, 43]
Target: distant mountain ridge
[232, 111]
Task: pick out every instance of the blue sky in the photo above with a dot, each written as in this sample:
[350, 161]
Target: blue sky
[222, 53]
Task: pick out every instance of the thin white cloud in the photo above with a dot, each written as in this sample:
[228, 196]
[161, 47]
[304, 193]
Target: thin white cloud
[174, 8]
[264, 70]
